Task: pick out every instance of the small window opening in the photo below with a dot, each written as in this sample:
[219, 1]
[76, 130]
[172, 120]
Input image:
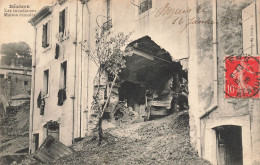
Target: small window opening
[145, 6]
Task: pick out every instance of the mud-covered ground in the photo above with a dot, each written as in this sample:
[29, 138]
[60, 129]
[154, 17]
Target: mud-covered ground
[160, 141]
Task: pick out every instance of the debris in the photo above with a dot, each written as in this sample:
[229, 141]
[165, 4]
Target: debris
[161, 141]
[51, 150]
[124, 114]
[14, 133]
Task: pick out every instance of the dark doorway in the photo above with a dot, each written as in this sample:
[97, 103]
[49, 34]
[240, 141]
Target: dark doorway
[36, 141]
[229, 145]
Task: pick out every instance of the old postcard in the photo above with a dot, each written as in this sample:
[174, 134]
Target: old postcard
[130, 82]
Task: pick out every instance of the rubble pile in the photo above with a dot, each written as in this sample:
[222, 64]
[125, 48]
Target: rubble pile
[162, 141]
[16, 121]
[14, 134]
[123, 114]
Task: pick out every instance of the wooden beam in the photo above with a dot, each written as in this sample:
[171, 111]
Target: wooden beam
[143, 54]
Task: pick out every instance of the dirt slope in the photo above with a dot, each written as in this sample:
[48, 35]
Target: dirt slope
[161, 141]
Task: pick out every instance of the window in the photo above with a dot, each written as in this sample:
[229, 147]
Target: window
[46, 82]
[144, 6]
[63, 22]
[63, 76]
[2, 76]
[46, 35]
[25, 83]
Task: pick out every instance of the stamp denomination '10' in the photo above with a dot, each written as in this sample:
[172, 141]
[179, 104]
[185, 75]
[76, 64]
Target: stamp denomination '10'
[242, 75]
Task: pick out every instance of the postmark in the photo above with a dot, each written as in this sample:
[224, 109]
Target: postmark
[242, 76]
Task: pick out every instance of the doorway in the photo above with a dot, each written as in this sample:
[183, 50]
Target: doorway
[52, 128]
[36, 141]
[229, 145]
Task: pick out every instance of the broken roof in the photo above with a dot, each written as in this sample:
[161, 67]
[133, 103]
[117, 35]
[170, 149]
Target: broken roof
[146, 44]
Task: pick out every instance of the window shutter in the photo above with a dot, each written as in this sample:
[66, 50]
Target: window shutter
[57, 51]
[149, 4]
[44, 36]
[249, 29]
[65, 74]
[60, 22]
[48, 34]
[65, 19]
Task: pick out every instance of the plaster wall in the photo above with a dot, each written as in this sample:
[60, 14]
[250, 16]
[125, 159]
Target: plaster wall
[45, 60]
[231, 111]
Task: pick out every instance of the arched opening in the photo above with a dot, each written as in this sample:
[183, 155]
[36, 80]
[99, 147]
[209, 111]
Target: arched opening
[229, 145]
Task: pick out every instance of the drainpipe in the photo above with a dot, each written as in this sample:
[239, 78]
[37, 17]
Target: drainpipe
[89, 16]
[215, 60]
[81, 67]
[74, 76]
[32, 92]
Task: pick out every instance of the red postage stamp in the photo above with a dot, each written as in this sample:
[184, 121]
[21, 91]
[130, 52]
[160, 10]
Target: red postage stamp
[242, 75]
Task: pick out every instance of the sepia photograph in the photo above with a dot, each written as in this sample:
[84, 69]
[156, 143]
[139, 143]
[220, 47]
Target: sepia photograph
[130, 82]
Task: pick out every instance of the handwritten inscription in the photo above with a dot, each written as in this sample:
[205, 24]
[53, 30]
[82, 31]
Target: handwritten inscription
[169, 11]
[178, 16]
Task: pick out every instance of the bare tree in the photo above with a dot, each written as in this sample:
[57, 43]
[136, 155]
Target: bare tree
[108, 55]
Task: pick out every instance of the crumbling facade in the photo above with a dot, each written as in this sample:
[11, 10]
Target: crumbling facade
[64, 36]
[169, 50]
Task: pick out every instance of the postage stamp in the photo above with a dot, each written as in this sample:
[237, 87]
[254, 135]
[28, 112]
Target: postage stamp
[242, 76]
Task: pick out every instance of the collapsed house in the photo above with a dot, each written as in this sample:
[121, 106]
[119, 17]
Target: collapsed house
[151, 84]
[166, 56]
